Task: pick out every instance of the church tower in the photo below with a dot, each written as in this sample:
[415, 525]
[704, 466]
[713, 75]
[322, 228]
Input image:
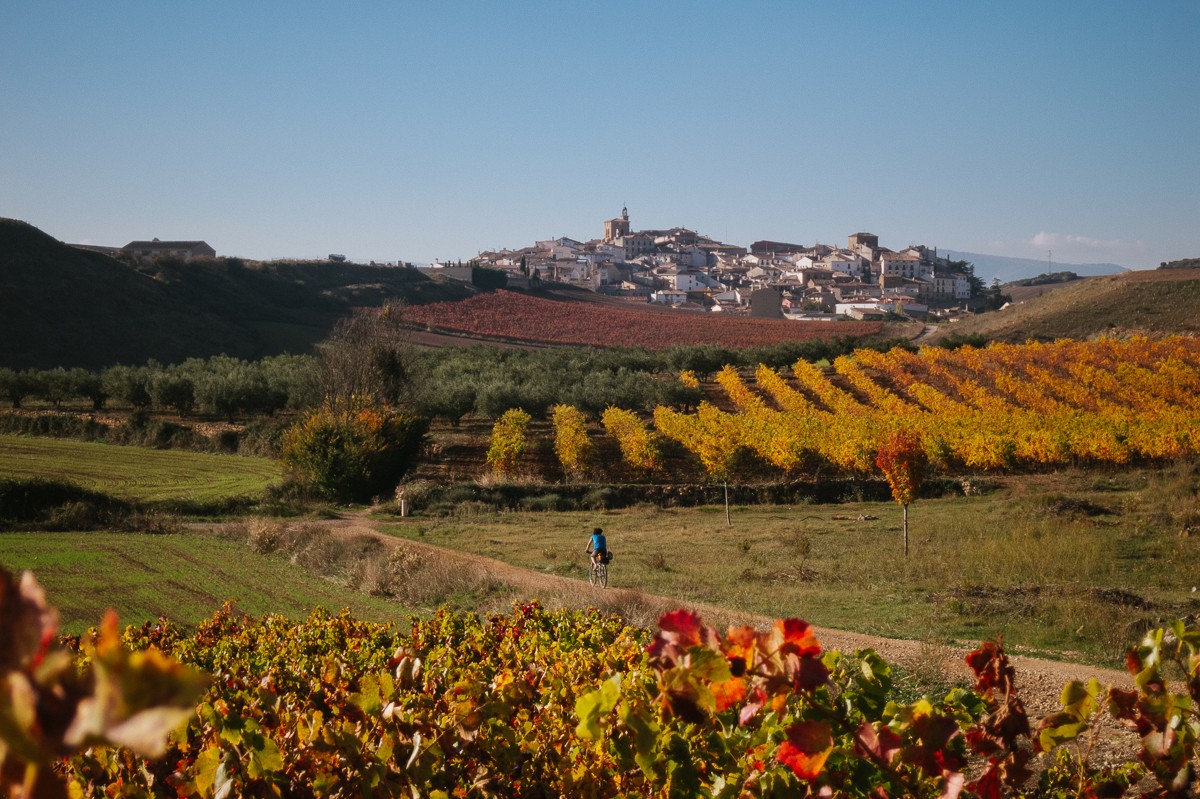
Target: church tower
[616, 228]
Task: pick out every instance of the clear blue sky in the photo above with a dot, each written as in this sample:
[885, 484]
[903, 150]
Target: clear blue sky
[414, 131]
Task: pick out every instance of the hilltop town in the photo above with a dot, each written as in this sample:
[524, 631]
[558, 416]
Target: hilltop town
[681, 268]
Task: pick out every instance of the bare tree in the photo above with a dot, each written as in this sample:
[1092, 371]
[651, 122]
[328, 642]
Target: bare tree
[366, 355]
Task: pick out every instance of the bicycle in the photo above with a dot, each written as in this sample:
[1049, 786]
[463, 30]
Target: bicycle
[598, 573]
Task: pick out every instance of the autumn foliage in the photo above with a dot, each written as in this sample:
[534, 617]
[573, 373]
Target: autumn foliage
[352, 449]
[902, 462]
[508, 441]
[571, 442]
[639, 445]
[999, 408]
[536, 703]
[52, 707]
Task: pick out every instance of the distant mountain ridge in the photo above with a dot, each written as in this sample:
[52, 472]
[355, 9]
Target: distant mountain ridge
[988, 267]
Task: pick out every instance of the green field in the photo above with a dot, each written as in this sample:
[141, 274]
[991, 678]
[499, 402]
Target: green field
[1068, 565]
[184, 576]
[136, 473]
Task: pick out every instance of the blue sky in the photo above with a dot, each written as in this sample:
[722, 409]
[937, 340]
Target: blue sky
[414, 131]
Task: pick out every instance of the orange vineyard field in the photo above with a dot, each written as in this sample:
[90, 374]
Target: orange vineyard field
[1003, 407]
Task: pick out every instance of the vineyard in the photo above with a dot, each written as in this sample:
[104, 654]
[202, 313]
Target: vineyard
[519, 317]
[1000, 408]
[538, 703]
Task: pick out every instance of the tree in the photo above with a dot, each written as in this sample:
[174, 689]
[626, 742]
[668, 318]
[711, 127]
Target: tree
[903, 462]
[173, 390]
[54, 386]
[88, 385]
[16, 386]
[703, 359]
[571, 442]
[450, 399]
[366, 355]
[128, 384]
[508, 440]
[968, 268]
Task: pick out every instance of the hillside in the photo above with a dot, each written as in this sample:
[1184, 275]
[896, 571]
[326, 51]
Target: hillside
[1152, 301]
[61, 306]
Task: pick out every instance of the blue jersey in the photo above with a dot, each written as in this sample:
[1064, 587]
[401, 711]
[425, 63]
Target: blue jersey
[598, 542]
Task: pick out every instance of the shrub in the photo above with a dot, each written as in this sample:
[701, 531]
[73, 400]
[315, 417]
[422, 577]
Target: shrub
[56, 425]
[350, 450]
[418, 493]
[601, 498]
[546, 503]
[55, 505]
[262, 437]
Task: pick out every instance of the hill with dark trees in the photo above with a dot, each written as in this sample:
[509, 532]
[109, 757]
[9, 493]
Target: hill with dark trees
[63, 306]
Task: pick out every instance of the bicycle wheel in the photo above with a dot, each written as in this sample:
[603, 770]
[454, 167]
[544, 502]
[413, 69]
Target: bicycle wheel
[592, 569]
[602, 575]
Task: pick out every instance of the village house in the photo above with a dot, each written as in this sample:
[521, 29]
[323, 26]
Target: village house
[155, 248]
[773, 248]
[673, 297]
[900, 263]
[845, 262]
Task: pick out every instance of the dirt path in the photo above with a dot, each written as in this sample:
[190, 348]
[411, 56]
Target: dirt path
[925, 333]
[1040, 681]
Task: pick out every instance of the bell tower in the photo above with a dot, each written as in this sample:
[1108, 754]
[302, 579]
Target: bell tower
[616, 228]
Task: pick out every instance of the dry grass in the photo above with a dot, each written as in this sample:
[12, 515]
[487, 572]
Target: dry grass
[1149, 301]
[1068, 563]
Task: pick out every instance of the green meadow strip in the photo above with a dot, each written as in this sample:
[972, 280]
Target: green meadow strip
[136, 473]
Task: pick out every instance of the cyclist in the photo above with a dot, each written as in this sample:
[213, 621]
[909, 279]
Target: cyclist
[597, 546]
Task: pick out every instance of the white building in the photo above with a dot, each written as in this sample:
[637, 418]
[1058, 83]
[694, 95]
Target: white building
[691, 281]
[669, 297]
[899, 263]
[847, 263]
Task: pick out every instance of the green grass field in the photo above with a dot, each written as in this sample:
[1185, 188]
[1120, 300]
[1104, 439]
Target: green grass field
[137, 473]
[1072, 564]
[1026, 561]
[184, 576]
